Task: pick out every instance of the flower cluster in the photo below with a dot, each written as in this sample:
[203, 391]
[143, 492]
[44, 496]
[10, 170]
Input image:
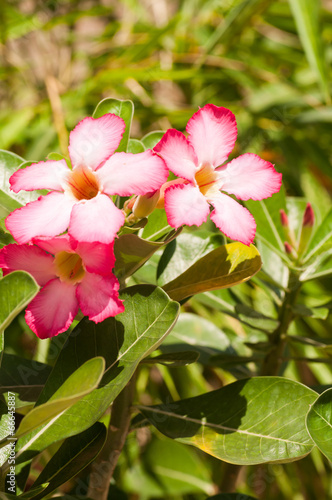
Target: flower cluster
[66, 238]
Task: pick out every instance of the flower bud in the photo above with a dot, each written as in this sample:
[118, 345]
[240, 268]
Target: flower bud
[284, 218]
[290, 250]
[309, 216]
[307, 228]
[145, 204]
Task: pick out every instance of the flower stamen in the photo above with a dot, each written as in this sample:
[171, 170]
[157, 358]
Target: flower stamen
[69, 267]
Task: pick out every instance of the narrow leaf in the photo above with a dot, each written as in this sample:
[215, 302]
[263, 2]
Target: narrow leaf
[306, 15]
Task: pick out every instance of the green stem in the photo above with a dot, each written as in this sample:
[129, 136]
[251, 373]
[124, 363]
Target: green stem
[103, 467]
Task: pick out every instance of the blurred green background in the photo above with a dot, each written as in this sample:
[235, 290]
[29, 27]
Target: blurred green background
[270, 63]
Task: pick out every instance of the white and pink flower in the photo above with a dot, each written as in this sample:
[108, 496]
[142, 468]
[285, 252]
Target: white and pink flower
[197, 161]
[72, 275]
[80, 197]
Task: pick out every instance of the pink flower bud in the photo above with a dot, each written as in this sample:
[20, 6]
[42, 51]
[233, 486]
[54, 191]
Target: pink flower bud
[309, 216]
[288, 248]
[284, 218]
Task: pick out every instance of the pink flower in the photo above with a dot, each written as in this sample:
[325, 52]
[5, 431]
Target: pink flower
[197, 159]
[79, 197]
[71, 275]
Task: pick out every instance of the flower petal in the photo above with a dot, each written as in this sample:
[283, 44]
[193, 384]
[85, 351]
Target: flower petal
[54, 245]
[178, 154]
[127, 173]
[28, 258]
[41, 175]
[97, 219]
[94, 140]
[47, 216]
[185, 204]
[234, 220]
[53, 309]
[250, 177]
[98, 297]
[212, 133]
[97, 257]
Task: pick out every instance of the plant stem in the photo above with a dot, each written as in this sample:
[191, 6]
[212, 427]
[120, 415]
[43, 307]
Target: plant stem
[271, 364]
[274, 358]
[103, 467]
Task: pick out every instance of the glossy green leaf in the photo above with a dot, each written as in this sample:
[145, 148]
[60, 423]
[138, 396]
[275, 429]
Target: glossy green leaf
[152, 138]
[250, 421]
[225, 266]
[80, 383]
[131, 252]
[306, 15]
[183, 252]
[73, 455]
[135, 146]
[123, 109]
[123, 341]
[23, 376]
[319, 423]
[169, 469]
[17, 289]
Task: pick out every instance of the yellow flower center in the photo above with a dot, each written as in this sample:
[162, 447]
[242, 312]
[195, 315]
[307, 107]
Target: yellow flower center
[206, 178]
[69, 267]
[83, 183]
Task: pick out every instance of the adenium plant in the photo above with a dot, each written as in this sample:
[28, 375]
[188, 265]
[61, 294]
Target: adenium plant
[100, 242]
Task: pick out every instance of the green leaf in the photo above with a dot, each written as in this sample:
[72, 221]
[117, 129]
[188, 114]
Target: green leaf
[9, 163]
[321, 239]
[152, 138]
[135, 146]
[267, 217]
[157, 226]
[319, 423]
[73, 455]
[80, 383]
[23, 376]
[17, 289]
[181, 358]
[306, 15]
[131, 252]
[250, 421]
[5, 430]
[183, 252]
[225, 266]
[322, 266]
[168, 470]
[123, 341]
[123, 109]
[311, 312]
